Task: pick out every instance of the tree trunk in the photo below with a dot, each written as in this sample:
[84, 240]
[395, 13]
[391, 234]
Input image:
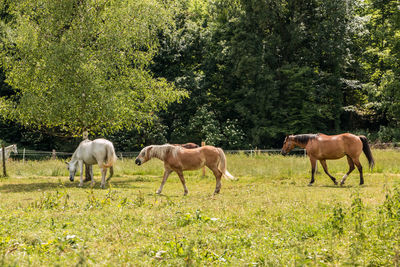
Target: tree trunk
[88, 168]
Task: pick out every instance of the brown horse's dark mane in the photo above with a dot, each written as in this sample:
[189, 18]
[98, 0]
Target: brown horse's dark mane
[304, 138]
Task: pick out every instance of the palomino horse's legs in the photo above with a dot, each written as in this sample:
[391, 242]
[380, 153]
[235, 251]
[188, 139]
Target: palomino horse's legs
[218, 176]
[185, 190]
[359, 167]
[351, 168]
[313, 167]
[166, 174]
[323, 163]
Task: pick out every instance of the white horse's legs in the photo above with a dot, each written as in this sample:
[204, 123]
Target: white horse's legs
[103, 177]
[80, 165]
[166, 174]
[91, 174]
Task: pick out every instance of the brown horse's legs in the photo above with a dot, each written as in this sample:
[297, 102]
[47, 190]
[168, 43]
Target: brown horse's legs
[313, 166]
[218, 176]
[166, 174]
[351, 168]
[359, 167]
[185, 190]
[323, 163]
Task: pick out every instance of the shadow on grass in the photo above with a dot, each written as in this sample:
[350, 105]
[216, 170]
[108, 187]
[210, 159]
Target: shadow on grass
[330, 186]
[52, 184]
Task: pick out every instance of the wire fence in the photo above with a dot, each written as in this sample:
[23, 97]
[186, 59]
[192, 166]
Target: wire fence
[27, 154]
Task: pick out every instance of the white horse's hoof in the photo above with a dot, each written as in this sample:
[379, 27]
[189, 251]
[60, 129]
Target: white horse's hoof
[80, 185]
[158, 192]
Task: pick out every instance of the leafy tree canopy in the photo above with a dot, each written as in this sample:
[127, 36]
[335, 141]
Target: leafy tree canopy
[83, 65]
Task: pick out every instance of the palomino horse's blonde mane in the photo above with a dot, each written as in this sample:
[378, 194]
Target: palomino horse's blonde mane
[160, 151]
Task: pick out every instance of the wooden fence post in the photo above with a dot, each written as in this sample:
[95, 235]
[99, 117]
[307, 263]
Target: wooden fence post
[3, 154]
[53, 154]
[23, 156]
[204, 168]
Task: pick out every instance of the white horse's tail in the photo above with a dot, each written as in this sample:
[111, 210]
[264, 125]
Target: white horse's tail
[111, 156]
[222, 165]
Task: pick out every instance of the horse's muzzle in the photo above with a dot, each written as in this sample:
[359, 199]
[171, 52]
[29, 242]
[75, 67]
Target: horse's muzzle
[283, 153]
[71, 178]
[138, 162]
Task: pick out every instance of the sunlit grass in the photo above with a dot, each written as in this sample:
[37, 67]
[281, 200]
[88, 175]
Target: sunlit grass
[269, 216]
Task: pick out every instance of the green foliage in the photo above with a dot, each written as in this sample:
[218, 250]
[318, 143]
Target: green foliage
[254, 70]
[82, 65]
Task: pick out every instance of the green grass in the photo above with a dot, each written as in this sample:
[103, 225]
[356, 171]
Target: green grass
[268, 217]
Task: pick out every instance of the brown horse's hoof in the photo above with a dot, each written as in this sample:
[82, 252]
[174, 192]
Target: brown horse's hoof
[336, 183]
[310, 184]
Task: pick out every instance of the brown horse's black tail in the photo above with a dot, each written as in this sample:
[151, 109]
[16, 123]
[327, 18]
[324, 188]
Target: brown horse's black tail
[367, 151]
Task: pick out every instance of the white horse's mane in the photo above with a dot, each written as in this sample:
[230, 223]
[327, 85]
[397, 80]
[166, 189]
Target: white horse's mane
[159, 151]
[8, 150]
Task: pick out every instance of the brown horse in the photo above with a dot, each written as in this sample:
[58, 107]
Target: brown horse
[179, 159]
[322, 147]
[188, 145]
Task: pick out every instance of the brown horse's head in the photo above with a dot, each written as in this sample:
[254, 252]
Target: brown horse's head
[288, 145]
[143, 156]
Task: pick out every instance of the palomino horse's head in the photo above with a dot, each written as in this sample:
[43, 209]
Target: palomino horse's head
[143, 156]
[288, 145]
[71, 166]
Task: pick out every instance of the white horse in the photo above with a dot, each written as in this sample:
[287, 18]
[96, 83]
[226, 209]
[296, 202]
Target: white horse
[7, 151]
[100, 151]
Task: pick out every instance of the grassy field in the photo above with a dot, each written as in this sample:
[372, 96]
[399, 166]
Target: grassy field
[267, 217]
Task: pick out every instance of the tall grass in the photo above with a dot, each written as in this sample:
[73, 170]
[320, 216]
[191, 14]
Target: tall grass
[268, 217]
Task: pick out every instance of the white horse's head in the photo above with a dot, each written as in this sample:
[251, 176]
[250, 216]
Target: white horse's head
[71, 166]
[14, 149]
[144, 155]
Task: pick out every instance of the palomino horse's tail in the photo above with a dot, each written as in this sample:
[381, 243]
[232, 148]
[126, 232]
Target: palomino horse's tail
[222, 165]
[367, 151]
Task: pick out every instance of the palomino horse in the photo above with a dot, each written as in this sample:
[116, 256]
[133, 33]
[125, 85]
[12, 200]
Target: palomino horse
[98, 151]
[322, 147]
[7, 151]
[179, 159]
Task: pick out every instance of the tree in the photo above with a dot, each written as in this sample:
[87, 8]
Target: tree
[81, 65]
